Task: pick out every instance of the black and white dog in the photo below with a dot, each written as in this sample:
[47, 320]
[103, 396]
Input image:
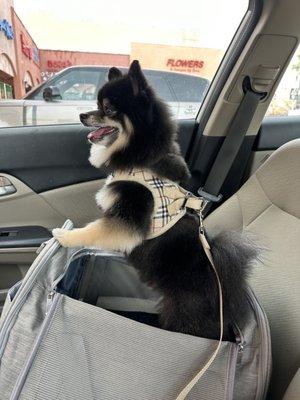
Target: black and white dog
[135, 131]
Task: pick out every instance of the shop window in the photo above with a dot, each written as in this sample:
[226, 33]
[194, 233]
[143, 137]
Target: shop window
[6, 91]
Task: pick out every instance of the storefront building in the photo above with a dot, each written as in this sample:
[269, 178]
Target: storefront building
[8, 68]
[27, 56]
[197, 61]
[52, 61]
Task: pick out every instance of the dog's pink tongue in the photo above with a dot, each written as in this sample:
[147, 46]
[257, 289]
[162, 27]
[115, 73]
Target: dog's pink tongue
[99, 133]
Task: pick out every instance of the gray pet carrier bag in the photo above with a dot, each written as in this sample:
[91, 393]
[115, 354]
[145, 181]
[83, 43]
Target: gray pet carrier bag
[82, 326]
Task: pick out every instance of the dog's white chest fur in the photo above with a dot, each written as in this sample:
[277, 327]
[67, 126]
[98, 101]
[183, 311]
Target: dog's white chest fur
[98, 155]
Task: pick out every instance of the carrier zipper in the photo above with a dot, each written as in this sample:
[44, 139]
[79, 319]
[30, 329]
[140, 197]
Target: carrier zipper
[240, 341]
[265, 356]
[19, 301]
[78, 254]
[236, 352]
[20, 298]
[44, 244]
[55, 297]
[49, 300]
[233, 361]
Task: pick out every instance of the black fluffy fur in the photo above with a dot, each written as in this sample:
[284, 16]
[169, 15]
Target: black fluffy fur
[175, 263]
[135, 203]
[153, 144]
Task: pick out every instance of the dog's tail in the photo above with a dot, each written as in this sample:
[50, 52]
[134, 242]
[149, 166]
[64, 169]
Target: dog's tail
[234, 255]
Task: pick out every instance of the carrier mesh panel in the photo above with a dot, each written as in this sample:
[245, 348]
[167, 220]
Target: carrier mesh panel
[90, 353]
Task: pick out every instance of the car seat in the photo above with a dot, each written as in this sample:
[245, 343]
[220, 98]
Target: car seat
[267, 207]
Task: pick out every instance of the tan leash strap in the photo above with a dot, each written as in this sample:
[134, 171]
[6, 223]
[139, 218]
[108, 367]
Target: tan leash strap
[182, 395]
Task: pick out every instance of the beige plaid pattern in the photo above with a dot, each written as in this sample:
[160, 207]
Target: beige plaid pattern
[166, 212]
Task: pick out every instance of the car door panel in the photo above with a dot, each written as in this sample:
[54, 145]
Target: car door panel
[273, 133]
[49, 157]
[276, 131]
[76, 202]
[23, 236]
[51, 208]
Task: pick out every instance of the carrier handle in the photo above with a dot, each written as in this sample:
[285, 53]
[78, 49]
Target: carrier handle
[185, 391]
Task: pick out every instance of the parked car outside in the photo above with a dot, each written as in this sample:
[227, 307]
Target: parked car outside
[74, 90]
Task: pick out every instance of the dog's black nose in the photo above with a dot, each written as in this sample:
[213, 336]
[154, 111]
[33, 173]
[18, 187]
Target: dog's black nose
[83, 117]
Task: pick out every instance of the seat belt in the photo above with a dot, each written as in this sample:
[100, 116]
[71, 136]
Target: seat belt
[231, 145]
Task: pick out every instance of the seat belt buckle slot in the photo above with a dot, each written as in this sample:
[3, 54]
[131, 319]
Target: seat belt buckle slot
[209, 197]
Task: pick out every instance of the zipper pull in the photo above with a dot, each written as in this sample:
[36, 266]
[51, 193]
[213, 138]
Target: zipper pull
[240, 347]
[44, 244]
[240, 343]
[49, 300]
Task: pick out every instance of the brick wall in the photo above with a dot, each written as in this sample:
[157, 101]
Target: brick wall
[55, 60]
[27, 58]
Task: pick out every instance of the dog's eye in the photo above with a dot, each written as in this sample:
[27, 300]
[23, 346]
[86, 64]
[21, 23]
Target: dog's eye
[109, 111]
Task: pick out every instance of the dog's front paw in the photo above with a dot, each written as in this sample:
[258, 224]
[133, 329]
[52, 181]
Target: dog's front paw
[63, 236]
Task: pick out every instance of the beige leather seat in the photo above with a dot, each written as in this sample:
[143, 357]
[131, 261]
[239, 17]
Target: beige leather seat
[293, 391]
[268, 206]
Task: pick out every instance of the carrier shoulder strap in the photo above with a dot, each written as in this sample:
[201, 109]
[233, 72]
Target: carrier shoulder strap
[232, 143]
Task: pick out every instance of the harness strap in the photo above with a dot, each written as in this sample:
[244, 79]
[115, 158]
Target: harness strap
[182, 199]
[185, 391]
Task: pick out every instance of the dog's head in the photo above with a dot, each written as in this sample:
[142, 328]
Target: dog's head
[133, 126]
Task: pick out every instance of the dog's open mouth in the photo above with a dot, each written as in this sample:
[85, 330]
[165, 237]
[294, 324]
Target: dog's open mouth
[101, 133]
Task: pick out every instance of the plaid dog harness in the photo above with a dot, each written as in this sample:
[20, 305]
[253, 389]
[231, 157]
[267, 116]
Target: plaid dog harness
[170, 199]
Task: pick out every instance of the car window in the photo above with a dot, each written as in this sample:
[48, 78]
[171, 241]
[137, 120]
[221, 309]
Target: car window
[161, 86]
[68, 49]
[188, 88]
[286, 100]
[75, 85]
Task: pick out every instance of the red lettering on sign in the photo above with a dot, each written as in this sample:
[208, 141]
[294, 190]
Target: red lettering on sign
[56, 65]
[184, 65]
[25, 47]
[170, 62]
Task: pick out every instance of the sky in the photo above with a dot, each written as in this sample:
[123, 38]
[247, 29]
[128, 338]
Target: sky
[110, 26]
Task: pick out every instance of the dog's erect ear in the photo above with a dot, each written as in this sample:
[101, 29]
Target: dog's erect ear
[138, 80]
[114, 73]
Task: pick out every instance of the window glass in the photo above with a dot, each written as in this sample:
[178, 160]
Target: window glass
[286, 100]
[74, 85]
[188, 88]
[68, 47]
[6, 91]
[160, 85]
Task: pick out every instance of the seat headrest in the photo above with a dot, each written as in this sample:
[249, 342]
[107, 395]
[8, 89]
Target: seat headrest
[279, 177]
